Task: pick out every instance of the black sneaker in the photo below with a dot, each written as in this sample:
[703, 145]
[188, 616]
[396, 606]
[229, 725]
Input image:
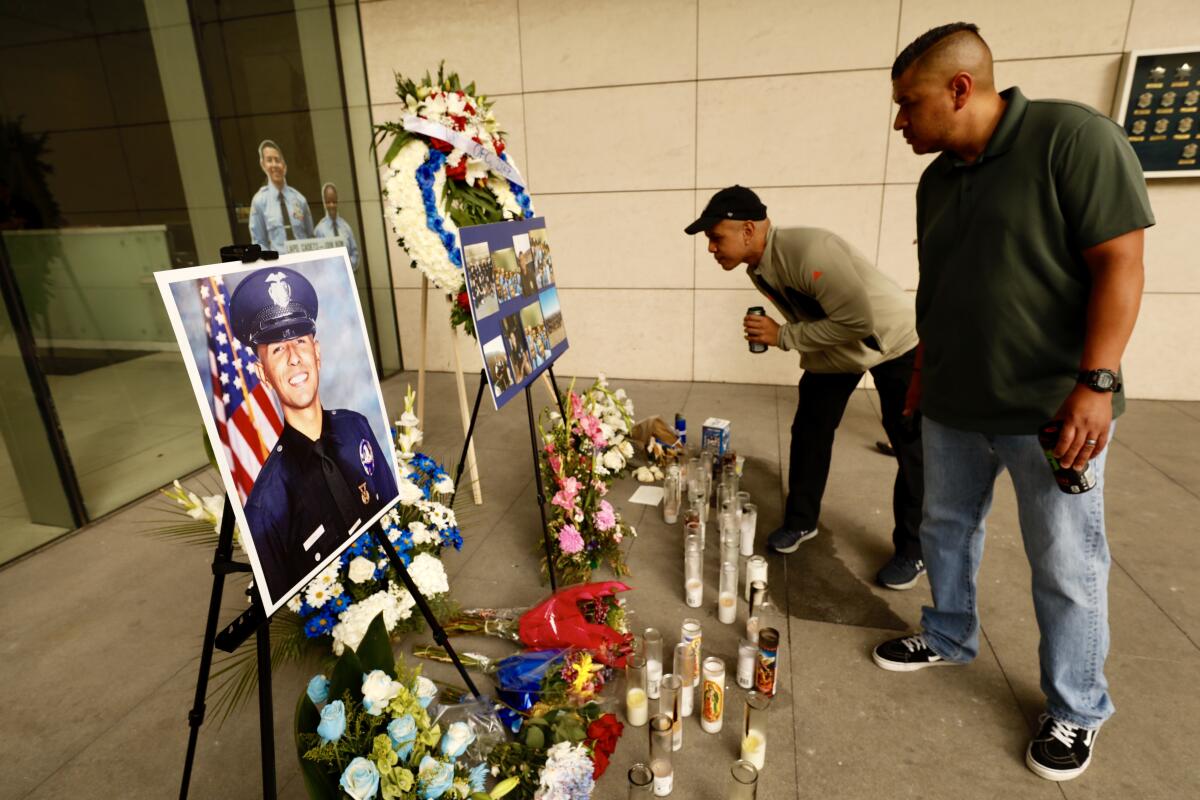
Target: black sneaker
[786, 540]
[901, 573]
[908, 654]
[1060, 751]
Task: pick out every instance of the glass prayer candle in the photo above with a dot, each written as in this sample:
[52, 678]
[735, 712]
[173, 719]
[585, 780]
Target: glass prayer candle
[712, 695]
[701, 510]
[668, 704]
[693, 572]
[729, 547]
[691, 633]
[754, 729]
[637, 706]
[756, 570]
[683, 669]
[660, 755]
[641, 782]
[746, 662]
[749, 528]
[726, 497]
[743, 781]
[742, 499]
[766, 672]
[729, 477]
[652, 643]
[727, 594]
[671, 495]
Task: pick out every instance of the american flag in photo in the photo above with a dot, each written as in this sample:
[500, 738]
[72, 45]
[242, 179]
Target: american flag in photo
[247, 420]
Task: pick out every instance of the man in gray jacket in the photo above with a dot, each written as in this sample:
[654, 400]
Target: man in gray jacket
[845, 318]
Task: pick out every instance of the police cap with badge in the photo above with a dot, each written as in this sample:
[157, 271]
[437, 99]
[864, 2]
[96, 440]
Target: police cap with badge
[271, 305]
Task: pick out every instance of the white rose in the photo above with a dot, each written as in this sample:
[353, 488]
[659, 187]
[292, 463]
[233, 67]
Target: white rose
[410, 493]
[361, 570]
[614, 460]
[378, 689]
[626, 448]
[444, 485]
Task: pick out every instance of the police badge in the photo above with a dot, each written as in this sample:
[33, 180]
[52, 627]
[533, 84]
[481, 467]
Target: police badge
[366, 455]
[278, 289]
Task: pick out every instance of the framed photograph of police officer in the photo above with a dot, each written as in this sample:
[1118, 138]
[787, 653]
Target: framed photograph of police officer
[281, 367]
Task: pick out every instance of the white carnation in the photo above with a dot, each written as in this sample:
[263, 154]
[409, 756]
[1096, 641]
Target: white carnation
[360, 570]
[429, 575]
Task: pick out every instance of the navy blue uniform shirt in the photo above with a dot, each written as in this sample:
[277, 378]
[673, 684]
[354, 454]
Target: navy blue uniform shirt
[310, 495]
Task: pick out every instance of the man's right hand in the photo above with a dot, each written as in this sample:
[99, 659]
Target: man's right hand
[912, 398]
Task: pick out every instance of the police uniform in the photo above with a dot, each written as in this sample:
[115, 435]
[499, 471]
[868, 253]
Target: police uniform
[309, 496]
[269, 228]
[330, 228]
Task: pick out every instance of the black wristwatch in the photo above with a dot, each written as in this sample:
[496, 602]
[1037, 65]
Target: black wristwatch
[1100, 380]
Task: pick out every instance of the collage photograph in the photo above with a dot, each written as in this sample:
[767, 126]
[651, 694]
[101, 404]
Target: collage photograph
[481, 281]
[498, 369]
[534, 326]
[506, 274]
[552, 314]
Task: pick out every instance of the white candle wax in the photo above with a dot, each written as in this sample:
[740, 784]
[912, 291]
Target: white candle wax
[636, 706]
[653, 677]
[748, 525]
[747, 659]
[752, 626]
[754, 748]
[686, 694]
[694, 591]
[664, 778]
[727, 608]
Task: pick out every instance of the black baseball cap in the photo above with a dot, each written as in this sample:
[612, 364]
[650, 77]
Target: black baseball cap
[735, 202]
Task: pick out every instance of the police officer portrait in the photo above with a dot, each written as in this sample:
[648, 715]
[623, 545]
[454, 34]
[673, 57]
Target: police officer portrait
[283, 371]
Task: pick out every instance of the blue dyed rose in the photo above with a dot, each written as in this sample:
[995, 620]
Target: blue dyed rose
[403, 733]
[478, 777]
[434, 778]
[333, 722]
[456, 739]
[360, 780]
[425, 691]
[318, 689]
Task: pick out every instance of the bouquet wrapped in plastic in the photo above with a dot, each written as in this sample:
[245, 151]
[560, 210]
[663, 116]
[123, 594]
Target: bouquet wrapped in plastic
[588, 616]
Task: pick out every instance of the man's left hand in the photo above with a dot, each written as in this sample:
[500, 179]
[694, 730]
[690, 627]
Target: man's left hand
[1087, 417]
[761, 329]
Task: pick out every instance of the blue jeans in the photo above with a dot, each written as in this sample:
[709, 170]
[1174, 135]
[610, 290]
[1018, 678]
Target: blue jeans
[1064, 542]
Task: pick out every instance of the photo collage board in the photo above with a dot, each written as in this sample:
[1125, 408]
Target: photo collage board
[514, 302]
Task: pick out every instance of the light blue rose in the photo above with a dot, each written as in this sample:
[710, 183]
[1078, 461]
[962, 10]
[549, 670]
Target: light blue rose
[333, 722]
[456, 738]
[361, 779]
[318, 689]
[425, 690]
[434, 778]
[403, 732]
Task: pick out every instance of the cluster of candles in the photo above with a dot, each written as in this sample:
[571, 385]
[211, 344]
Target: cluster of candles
[695, 681]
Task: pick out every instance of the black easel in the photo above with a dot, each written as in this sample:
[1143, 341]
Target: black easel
[253, 620]
[537, 466]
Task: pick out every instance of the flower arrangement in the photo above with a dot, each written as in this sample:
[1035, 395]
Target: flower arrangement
[448, 168]
[560, 754]
[585, 529]
[365, 732]
[588, 616]
[344, 598]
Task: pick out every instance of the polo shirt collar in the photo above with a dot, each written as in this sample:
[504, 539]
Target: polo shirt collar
[1006, 132]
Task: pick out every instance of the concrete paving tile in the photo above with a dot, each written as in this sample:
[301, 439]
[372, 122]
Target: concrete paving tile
[939, 733]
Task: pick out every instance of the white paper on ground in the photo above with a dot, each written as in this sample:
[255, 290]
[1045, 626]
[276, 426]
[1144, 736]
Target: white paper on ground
[647, 495]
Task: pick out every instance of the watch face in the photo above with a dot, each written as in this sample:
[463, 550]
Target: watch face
[1104, 380]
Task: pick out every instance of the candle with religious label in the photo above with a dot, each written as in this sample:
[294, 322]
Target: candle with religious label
[727, 594]
[636, 704]
[683, 668]
[671, 495]
[652, 644]
[756, 570]
[743, 781]
[690, 632]
[747, 661]
[712, 696]
[668, 703]
[754, 729]
[749, 528]
[766, 672]
[693, 571]
[660, 755]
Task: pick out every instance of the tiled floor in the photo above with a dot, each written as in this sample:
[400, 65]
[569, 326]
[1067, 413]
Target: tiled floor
[103, 629]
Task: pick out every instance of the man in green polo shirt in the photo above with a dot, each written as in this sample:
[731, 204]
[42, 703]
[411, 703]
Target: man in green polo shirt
[1030, 230]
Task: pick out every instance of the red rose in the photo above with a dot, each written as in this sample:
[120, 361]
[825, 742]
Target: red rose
[464, 302]
[470, 108]
[604, 733]
[600, 763]
[438, 144]
[460, 122]
[457, 173]
[499, 144]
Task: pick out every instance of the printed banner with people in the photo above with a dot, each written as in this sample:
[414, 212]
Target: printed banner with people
[514, 302]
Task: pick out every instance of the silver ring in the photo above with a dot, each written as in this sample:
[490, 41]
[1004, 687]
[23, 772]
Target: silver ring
[1089, 441]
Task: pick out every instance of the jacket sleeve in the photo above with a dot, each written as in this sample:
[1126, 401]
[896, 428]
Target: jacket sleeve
[828, 275]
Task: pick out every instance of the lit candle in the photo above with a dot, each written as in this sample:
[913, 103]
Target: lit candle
[683, 668]
[652, 640]
[636, 706]
[749, 527]
[754, 729]
[754, 748]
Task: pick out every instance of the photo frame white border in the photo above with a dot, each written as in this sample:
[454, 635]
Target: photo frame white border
[1121, 102]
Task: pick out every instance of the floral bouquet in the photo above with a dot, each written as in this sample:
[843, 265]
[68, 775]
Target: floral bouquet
[448, 169]
[365, 732]
[560, 754]
[614, 410]
[588, 616]
[585, 529]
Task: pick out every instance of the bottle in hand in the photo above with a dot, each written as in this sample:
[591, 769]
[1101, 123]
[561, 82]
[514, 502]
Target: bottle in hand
[757, 347]
[1070, 480]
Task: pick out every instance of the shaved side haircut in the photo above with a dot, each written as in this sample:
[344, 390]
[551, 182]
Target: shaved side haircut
[957, 46]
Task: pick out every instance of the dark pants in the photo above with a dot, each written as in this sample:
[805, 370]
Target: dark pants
[823, 398]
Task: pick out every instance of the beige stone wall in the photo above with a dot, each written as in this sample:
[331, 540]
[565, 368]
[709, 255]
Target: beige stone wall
[626, 115]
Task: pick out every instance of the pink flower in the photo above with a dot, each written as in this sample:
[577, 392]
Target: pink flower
[576, 406]
[555, 464]
[600, 487]
[564, 498]
[617, 537]
[605, 519]
[591, 428]
[569, 540]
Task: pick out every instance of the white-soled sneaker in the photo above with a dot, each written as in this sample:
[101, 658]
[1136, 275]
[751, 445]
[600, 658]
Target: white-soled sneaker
[908, 654]
[1060, 751]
